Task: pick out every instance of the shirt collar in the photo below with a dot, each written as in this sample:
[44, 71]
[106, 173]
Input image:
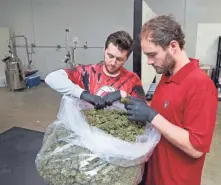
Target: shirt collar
[183, 72]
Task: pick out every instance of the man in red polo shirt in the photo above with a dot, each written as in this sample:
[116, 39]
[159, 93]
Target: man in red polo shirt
[183, 108]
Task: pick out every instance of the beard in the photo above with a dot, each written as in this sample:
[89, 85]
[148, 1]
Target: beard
[110, 69]
[167, 66]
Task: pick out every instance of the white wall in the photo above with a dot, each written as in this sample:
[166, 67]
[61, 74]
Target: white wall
[200, 11]
[208, 33]
[190, 13]
[148, 73]
[92, 21]
[176, 7]
[44, 23]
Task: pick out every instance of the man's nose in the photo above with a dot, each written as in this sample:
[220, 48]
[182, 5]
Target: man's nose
[113, 61]
[150, 61]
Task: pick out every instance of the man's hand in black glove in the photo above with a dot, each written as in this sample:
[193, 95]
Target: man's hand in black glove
[111, 97]
[95, 100]
[138, 110]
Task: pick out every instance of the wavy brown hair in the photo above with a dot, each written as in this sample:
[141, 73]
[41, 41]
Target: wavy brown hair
[162, 30]
[122, 40]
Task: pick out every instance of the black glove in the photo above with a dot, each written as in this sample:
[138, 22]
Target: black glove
[138, 110]
[110, 98]
[97, 101]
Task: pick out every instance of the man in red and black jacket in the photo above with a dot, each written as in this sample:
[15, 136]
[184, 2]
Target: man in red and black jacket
[103, 83]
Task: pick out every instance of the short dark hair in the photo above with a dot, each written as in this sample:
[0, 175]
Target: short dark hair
[163, 29]
[122, 40]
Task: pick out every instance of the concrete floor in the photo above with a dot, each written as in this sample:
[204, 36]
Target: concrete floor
[38, 107]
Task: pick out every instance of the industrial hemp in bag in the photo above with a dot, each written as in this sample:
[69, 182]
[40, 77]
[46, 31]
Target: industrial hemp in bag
[116, 123]
[79, 149]
[61, 163]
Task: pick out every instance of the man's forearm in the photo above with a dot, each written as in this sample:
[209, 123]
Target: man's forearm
[59, 81]
[175, 135]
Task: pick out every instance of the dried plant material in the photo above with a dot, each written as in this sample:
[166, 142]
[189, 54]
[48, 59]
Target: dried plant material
[125, 100]
[116, 123]
[76, 150]
[62, 163]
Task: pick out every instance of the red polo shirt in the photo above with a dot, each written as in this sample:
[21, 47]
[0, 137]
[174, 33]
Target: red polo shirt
[189, 100]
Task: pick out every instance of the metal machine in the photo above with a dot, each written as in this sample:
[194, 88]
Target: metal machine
[14, 72]
[70, 50]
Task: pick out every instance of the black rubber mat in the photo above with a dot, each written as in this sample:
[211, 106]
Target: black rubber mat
[18, 149]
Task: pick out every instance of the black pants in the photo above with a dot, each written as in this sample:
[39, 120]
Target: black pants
[143, 182]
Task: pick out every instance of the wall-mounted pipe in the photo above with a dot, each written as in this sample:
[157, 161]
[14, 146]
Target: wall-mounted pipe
[82, 47]
[26, 45]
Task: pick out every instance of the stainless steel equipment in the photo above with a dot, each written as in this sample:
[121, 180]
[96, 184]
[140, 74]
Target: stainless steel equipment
[13, 47]
[69, 50]
[14, 73]
[15, 76]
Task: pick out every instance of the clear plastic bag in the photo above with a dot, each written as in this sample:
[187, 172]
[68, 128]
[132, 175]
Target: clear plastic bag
[73, 152]
[61, 162]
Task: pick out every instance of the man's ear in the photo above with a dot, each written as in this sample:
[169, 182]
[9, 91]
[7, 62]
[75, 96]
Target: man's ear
[173, 47]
